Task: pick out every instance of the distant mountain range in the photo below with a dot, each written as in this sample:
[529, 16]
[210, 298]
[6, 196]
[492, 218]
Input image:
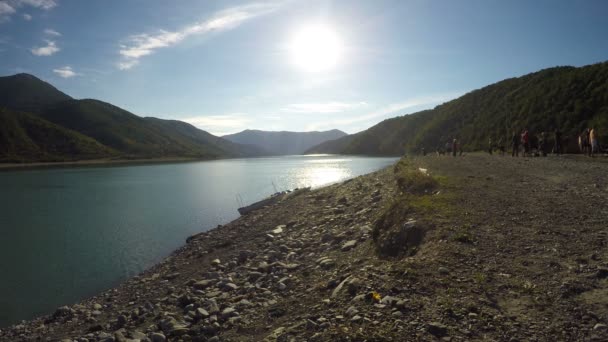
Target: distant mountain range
[40, 123]
[567, 98]
[283, 143]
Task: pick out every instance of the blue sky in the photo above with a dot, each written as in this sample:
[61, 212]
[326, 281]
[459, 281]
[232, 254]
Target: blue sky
[225, 66]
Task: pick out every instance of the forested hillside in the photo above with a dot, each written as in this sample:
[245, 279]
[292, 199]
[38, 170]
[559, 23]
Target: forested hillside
[568, 98]
[40, 123]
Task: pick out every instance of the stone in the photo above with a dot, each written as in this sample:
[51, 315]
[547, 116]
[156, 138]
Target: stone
[200, 312]
[157, 337]
[351, 311]
[437, 329]
[203, 284]
[229, 312]
[348, 245]
[230, 287]
[215, 262]
[278, 229]
[443, 271]
[600, 326]
[97, 306]
[356, 319]
[121, 320]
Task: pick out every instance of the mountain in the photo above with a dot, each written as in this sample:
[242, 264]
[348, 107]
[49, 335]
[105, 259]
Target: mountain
[567, 98]
[284, 143]
[109, 130]
[26, 137]
[26, 93]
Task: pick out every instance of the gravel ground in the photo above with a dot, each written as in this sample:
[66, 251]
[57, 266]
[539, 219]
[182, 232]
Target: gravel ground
[511, 249]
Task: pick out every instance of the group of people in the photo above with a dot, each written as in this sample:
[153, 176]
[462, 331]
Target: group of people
[588, 142]
[452, 146]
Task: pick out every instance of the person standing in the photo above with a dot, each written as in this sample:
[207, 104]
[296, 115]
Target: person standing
[585, 142]
[542, 144]
[454, 147]
[595, 148]
[557, 148]
[514, 145]
[525, 140]
[490, 146]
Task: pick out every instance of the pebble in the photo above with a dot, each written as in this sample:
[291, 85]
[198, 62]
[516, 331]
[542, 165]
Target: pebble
[348, 245]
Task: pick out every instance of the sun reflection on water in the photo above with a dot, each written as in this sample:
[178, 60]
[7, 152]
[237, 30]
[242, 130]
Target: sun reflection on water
[317, 176]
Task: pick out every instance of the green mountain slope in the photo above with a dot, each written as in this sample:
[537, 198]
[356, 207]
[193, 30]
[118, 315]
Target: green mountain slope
[567, 98]
[284, 143]
[120, 133]
[26, 93]
[26, 137]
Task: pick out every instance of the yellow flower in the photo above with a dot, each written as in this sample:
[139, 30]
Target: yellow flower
[376, 296]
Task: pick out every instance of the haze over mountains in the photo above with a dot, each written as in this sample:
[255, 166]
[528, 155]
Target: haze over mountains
[567, 98]
[284, 143]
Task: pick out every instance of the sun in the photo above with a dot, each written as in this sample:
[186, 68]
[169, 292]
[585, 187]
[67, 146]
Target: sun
[315, 48]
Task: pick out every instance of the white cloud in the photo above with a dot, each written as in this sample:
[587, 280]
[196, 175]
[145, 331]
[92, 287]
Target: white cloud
[51, 32]
[66, 72]
[9, 7]
[145, 44]
[327, 107]
[6, 11]
[48, 50]
[220, 124]
[42, 4]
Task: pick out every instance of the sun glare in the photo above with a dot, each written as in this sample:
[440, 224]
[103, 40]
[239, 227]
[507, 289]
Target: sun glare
[315, 48]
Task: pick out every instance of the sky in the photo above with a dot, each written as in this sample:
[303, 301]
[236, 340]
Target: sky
[225, 66]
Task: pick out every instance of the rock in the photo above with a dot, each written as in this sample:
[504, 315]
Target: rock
[437, 329]
[203, 284]
[348, 245]
[229, 312]
[282, 286]
[157, 337]
[216, 262]
[356, 319]
[443, 271]
[97, 306]
[121, 320]
[600, 326]
[230, 287]
[398, 239]
[200, 312]
[338, 288]
[63, 311]
[351, 311]
[602, 272]
[278, 229]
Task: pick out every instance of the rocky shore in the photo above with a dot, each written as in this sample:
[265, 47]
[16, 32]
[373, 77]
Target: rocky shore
[437, 248]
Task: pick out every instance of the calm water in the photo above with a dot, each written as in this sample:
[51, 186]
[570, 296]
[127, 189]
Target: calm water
[66, 234]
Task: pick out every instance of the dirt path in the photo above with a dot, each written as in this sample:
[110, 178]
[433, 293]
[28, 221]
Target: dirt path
[514, 250]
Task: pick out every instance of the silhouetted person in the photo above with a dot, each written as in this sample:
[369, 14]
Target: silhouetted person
[595, 147]
[585, 144]
[515, 145]
[501, 146]
[490, 146]
[557, 136]
[525, 140]
[542, 144]
[454, 147]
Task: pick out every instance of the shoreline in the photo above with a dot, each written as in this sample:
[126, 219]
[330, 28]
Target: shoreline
[94, 162]
[489, 264]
